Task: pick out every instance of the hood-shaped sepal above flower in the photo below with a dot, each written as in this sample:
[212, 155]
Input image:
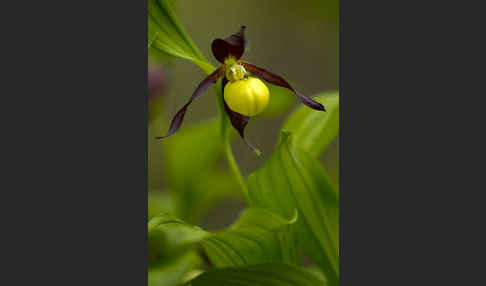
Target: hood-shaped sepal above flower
[238, 121]
[278, 80]
[233, 45]
[179, 117]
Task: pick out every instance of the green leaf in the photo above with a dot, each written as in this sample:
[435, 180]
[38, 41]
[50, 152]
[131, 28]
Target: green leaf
[313, 130]
[174, 231]
[294, 179]
[172, 273]
[257, 236]
[264, 274]
[166, 35]
[169, 237]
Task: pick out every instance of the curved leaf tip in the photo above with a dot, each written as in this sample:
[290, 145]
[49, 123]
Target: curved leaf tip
[295, 217]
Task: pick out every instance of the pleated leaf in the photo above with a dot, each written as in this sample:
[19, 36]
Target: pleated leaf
[169, 237]
[264, 274]
[175, 231]
[313, 131]
[293, 179]
[257, 236]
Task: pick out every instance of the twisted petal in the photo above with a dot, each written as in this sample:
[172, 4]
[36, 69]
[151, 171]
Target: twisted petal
[179, 117]
[238, 121]
[233, 45]
[278, 80]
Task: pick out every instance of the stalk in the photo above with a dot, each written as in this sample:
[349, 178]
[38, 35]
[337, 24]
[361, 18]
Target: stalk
[228, 152]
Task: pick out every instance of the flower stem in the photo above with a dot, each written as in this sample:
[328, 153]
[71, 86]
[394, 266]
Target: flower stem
[228, 152]
[234, 166]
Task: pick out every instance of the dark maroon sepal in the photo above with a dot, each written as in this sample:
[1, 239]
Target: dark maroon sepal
[233, 45]
[179, 117]
[238, 121]
[278, 80]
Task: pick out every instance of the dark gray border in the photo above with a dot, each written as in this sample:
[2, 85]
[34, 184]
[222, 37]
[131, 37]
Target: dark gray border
[411, 154]
[74, 173]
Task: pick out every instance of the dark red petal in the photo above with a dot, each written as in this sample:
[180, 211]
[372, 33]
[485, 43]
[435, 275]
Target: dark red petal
[278, 80]
[238, 121]
[177, 120]
[233, 45]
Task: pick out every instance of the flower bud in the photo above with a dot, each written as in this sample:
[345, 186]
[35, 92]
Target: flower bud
[248, 97]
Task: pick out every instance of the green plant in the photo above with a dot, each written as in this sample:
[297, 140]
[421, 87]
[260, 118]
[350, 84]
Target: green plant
[293, 206]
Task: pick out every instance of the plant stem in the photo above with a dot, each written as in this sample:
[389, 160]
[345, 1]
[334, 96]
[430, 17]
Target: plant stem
[228, 152]
[234, 166]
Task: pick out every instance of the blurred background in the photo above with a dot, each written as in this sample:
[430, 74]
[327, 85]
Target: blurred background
[295, 39]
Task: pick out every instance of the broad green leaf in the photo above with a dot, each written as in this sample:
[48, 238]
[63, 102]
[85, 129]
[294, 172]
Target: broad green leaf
[173, 272]
[169, 237]
[313, 130]
[166, 35]
[174, 231]
[257, 236]
[264, 274]
[293, 179]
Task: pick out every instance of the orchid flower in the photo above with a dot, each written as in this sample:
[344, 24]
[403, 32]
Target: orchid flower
[244, 93]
